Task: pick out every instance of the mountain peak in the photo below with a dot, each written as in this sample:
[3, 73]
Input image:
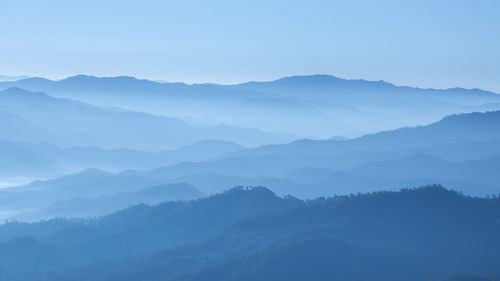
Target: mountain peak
[319, 81]
[247, 196]
[432, 191]
[249, 190]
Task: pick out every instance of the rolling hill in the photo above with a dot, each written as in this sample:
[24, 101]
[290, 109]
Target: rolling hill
[419, 234]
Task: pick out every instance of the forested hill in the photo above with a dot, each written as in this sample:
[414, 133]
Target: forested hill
[427, 233]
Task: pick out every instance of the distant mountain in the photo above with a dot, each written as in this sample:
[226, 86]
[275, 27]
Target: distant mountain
[317, 105]
[71, 123]
[29, 202]
[459, 151]
[88, 193]
[470, 138]
[89, 85]
[472, 127]
[324, 83]
[428, 233]
[425, 166]
[317, 84]
[22, 162]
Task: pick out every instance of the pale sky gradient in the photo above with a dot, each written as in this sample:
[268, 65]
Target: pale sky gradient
[426, 43]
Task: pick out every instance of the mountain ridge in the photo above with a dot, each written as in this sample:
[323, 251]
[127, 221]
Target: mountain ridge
[265, 237]
[311, 78]
[320, 106]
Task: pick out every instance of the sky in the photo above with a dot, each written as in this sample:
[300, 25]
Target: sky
[430, 44]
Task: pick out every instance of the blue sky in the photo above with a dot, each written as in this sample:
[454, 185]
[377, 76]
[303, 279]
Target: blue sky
[419, 43]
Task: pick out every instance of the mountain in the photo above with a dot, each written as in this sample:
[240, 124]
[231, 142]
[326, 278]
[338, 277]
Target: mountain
[460, 151]
[16, 128]
[323, 85]
[319, 106]
[431, 167]
[88, 193]
[22, 162]
[73, 123]
[427, 233]
[151, 227]
[471, 127]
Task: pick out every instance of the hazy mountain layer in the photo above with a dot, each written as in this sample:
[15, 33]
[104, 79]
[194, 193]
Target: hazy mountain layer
[21, 162]
[316, 105]
[71, 123]
[461, 152]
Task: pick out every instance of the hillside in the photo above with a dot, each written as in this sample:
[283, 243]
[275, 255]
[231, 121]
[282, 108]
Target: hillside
[244, 234]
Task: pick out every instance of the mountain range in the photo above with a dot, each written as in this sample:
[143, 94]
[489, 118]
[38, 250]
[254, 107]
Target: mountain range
[21, 162]
[461, 152]
[319, 106]
[301, 178]
[252, 234]
[42, 118]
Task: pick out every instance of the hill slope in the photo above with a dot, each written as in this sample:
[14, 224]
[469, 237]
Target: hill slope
[247, 234]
